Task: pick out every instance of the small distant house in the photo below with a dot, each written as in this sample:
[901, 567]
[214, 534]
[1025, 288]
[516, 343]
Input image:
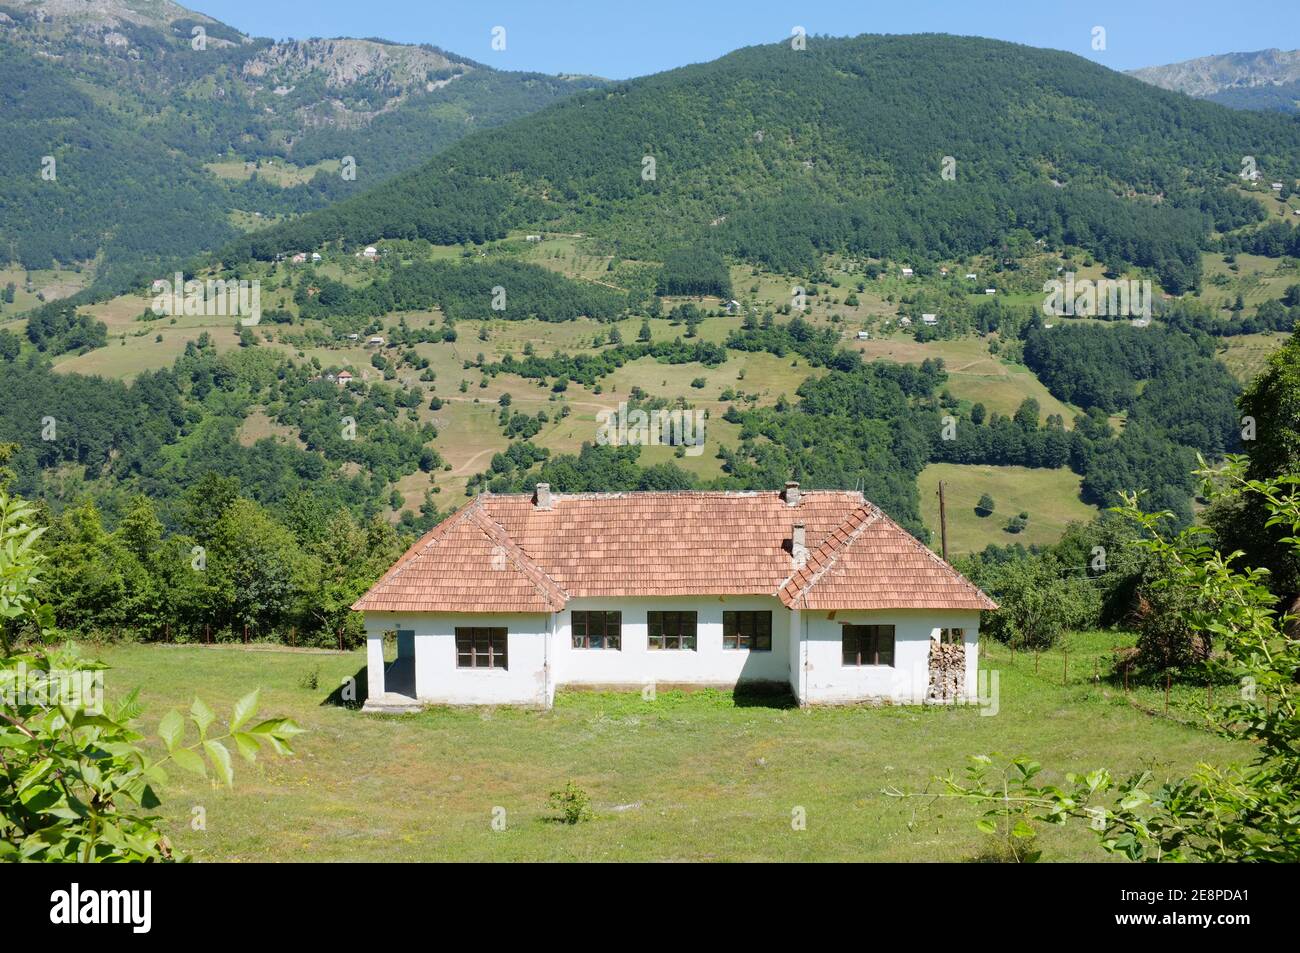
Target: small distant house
[971, 276]
[344, 378]
[990, 291]
[864, 335]
[370, 252]
[907, 272]
[354, 337]
[733, 306]
[375, 341]
[930, 319]
[1276, 186]
[943, 271]
[299, 258]
[532, 238]
[315, 256]
[904, 322]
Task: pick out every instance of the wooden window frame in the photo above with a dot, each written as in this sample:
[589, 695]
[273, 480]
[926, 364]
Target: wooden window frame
[611, 629]
[744, 629]
[866, 645]
[467, 648]
[684, 626]
[946, 635]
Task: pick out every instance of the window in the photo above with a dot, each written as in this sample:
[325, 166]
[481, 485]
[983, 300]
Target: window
[868, 644]
[952, 636]
[671, 630]
[747, 630]
[597, 630]
[480, 648]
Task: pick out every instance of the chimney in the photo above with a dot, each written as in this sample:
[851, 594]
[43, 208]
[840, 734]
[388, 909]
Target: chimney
[542, 497]
[798, 545]
[791, 493]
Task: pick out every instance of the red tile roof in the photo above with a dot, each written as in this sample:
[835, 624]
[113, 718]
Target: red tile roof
[506, 554]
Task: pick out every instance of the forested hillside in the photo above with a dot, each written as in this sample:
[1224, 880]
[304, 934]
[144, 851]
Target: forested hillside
[166, 142]
[841, 147]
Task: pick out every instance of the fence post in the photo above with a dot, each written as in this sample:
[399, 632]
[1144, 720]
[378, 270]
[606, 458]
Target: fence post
[207, 632]
[1167, 692]
[340, 638]
[245, 633]
[292, 636]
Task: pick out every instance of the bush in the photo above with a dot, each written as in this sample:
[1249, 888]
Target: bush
[985, 506]
[572, 804]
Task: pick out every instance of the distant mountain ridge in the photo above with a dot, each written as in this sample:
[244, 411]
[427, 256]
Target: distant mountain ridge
[840, 147]
[1264, 79]
[161, 91]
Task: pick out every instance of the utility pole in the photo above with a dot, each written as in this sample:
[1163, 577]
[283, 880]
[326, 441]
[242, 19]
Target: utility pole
[943, 522]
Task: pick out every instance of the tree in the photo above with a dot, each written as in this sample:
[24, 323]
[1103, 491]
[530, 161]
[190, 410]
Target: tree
[1037, 601]
[1217, 814]
[985, 506]
[255, 568]
[56, 804]
[644, 334]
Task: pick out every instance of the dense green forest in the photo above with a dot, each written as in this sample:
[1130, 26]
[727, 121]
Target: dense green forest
[841, 148]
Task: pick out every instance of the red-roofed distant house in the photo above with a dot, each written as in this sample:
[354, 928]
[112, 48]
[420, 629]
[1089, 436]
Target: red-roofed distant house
[517, 594]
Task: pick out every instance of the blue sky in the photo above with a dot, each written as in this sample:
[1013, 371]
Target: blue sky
[623, 38]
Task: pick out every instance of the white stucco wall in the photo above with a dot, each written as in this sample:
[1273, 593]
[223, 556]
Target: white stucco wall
[439, 681]
[827, 680]
[806, 652]
[637, 664]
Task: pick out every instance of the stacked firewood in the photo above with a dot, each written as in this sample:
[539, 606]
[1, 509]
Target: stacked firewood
[947, 671]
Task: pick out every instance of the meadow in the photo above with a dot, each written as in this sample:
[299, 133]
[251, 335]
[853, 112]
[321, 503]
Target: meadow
[704, 775]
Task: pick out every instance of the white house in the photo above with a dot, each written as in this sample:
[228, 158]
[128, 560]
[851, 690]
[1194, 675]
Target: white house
[930, 319]
[907, 272]
[344, 378]
[515, 595]
[990, 291]
[864, 335]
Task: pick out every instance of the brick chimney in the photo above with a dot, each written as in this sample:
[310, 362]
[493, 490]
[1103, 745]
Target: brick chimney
[798, 545]
[542, 496]
[791, 493]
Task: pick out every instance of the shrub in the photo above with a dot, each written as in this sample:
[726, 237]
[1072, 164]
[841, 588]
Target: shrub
[572, 804]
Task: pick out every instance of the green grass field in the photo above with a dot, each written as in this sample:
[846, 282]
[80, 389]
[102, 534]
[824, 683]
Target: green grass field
[698, 776]
[1051, 497]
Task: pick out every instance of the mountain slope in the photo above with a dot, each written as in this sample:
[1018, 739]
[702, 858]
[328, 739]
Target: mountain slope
[774, 155]
[1264, 79]
[157, 93]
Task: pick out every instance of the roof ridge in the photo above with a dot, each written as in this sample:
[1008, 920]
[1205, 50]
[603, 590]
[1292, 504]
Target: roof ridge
[420, 546]
[943, 563]
[833, 548]
[618, 494]
[550, 590]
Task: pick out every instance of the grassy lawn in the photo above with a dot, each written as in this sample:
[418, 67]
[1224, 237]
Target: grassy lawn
[699, 776]
[1050, 497]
